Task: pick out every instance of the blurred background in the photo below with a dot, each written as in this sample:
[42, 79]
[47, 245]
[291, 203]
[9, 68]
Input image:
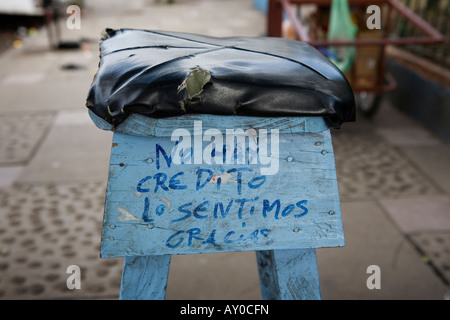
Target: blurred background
[393, 163]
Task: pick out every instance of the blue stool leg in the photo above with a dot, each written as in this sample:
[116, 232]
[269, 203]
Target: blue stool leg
[288, 274]
[145, 278]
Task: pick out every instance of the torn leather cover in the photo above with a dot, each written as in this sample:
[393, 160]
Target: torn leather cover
[163, 74]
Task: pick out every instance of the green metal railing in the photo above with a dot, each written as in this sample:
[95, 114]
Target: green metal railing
[437, 14]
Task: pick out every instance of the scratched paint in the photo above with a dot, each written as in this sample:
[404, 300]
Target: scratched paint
[161, 207]
[125, 215]
[223, 178]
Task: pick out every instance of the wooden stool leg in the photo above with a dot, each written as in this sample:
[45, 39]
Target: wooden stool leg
[288, 274]
[145, 278]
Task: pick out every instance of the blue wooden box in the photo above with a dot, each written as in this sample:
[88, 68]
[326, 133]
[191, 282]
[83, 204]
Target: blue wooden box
[207, 183]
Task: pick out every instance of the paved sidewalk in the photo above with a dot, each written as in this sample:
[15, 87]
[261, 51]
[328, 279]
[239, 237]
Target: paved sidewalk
[394, 179]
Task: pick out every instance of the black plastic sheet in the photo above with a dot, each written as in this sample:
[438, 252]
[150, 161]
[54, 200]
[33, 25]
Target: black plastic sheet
[162, 74]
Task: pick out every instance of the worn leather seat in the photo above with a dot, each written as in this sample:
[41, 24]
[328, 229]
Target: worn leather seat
[162, 74]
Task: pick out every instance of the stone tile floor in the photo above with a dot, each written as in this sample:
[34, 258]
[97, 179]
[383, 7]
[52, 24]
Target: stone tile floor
[46, 228]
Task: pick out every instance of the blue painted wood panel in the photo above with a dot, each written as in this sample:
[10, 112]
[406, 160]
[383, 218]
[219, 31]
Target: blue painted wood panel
[289, 274]
[165, 197]
[145, 278]
[140, 125]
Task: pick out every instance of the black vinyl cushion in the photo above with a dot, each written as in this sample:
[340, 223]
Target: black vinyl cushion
[162, 74]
